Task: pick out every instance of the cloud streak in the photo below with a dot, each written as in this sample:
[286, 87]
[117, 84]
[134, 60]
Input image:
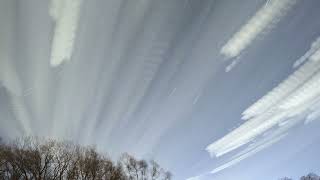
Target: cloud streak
[264, 18]
[248, 153]
[269, 119]
[315, 47]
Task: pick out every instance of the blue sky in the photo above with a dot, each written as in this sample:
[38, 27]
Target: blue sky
[189, 83]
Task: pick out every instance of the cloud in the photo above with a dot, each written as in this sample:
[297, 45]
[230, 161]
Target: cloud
[264, 18]
[316, 56]
[66, 15]
[305, 93]
[285, 88]
[315, 113]
[315, 47]
[313, 116]
[245, 133]
[245, 155]
[232, 65]
[9, 78]
[294, 100]
[194, 178]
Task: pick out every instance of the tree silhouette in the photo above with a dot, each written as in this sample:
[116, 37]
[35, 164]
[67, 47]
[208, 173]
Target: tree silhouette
[39, 159]
[310, 176]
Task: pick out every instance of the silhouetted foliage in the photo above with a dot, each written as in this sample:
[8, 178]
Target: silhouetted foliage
[32, 158]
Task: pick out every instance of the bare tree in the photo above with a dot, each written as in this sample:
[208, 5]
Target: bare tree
[155, 170]
[39, 159]
[310, 176]
[167, 175]
[139, 169]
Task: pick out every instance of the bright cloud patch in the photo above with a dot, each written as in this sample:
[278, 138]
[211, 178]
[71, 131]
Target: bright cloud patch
[66, 15]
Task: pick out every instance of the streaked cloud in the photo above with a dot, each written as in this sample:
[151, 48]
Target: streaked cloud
[315, 46]
[11, 81]
[9, 75]
[66, 16]
[285, 88]
[294, 100]
[194, 178]
[145, 74]
[232, 65]
[264, 18]
[247, 154]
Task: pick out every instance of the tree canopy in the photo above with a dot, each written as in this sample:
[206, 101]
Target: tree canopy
[39, 159]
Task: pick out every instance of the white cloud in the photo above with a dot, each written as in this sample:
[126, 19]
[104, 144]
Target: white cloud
[66, 15]
[315, 112]
[55, 9]
[266, 16]
[245, 133]
[315, 46]
[231, 65]
[312, 117]
[247, 154]
[194, 178]
[294, 100]
[282, 90]
[307, 91]
[316, 56]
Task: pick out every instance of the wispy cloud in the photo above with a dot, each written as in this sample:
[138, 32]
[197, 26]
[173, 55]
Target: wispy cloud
[232, 65]
[66, 15]
[10, 80]
[247, 154]
[315, 46]
[264, 18]
[294, 100]
[194, 178]
[285, 88]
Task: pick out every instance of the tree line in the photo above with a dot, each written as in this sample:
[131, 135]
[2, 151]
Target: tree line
[39, 159]
[310, 176]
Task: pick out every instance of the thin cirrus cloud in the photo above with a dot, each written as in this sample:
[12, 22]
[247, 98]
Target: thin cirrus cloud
[315, 46]
[10, 80]
[264, 19]
[269, 119]
[248, 153]
[265, 140]
[65, 15]
[9, 75]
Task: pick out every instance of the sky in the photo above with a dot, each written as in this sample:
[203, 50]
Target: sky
[211, 89]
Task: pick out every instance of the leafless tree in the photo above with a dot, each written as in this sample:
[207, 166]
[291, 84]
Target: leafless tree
[155, 170]
[139, 169]
[39, 159]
